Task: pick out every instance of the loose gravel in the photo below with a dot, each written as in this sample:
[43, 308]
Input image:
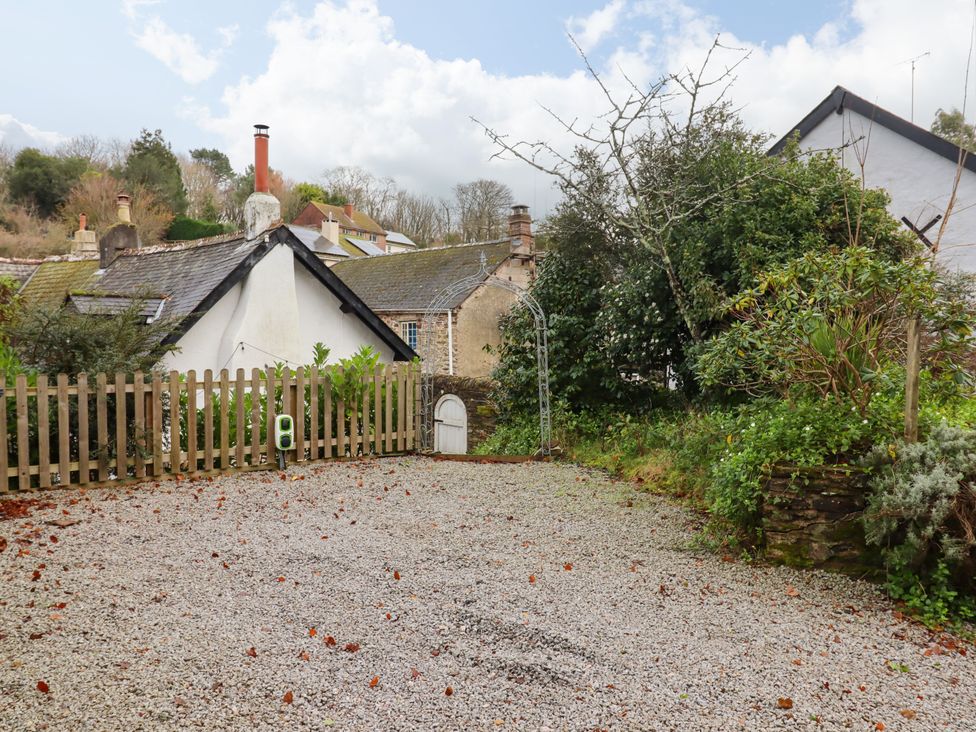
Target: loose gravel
[412, 594]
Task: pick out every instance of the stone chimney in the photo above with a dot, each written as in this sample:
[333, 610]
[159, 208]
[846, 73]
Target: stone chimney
[124, 201]
[330, 229]
[84, 241]
[520, 230]
[261, 210]
[122, 235]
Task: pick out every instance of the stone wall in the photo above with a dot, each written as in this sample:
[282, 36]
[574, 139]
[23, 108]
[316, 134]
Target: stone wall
[482, 413]
[811, 519]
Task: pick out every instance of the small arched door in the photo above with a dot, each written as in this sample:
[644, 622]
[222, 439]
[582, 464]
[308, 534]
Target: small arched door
[450, 426]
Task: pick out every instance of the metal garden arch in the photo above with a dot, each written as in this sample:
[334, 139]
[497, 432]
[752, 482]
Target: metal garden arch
[429, 362]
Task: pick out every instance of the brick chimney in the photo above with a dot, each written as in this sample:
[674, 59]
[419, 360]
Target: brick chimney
[520, 229]
[261, 210]
[84, 241]
[348, 209]
[122, 235]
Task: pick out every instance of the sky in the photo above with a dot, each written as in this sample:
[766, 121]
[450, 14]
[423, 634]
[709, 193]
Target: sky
[392, 85]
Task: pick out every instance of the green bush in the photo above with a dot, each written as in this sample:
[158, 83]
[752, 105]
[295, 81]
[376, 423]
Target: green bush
[922, 513]
[184, 228]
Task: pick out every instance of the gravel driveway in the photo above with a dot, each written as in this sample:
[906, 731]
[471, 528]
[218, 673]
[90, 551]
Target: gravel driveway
[420, 595]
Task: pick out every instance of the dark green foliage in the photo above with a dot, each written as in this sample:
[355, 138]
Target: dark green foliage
[184, 228]
[43, 181]
[152, 163]
[952, 126]
[217, 161]
[60, 340]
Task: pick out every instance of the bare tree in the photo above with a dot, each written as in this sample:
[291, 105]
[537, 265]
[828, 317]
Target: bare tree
[646, 166]
[204, 196]
[367, 192]
[95, 195]
[481, 207]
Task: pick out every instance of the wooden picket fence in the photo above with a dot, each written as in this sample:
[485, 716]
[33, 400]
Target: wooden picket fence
[78, 432]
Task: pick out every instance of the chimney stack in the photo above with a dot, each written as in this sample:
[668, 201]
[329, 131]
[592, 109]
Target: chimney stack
[261, 159]
[348, 209]
[520, 229]
[261, 209]
[84, 240]
[123, 201]
[330, 229]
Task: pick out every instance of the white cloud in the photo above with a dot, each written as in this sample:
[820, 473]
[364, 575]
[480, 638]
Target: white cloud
[590, 30]
[391, 108]
[15, 134]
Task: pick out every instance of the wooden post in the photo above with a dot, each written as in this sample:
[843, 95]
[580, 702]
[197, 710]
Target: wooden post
[139, 419]
[367, 439]
[4, 437]
[354, 426]
[121, 441]
[255, 416]
[157, 422]
[43, 433]
[327, 416]
[84, 469]
[101, 426]
[298, 413]
[270, 415]
[913, 366]
[174, 422]
[192, 463]
[388, 381]
[23, 435]
[377, 411]
[241, 440]
[208, 425]
[287, 399]
[340, 421]
[401, 408]
[64, 434]
[224, 419]
[417, 404]
[411, 409]
[313, 413]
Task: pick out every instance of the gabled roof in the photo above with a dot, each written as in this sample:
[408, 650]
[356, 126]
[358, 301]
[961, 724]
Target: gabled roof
[408, 281]
[364, 245]
[840, 99]
[359, 219]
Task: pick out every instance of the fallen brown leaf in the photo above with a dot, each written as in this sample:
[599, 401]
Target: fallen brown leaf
[784, 703]
[288, 698]
[449, 691]
[376, 679]
[43, 687]
[252, 652]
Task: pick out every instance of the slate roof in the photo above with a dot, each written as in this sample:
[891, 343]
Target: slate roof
[186, 274]
[840, 99]
[54, 279]
[151, 308]
[365, 246]
[408, 281]
[359, 219]
[18, 269]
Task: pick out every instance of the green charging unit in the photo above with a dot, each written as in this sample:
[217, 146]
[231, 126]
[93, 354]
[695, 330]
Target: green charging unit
[284, 436]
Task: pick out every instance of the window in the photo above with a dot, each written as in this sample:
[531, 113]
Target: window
[408, 331]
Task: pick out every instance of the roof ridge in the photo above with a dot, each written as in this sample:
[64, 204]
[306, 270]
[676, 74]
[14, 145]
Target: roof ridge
[184, 245]
[466, 245]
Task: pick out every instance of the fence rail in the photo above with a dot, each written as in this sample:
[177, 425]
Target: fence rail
[83, 431]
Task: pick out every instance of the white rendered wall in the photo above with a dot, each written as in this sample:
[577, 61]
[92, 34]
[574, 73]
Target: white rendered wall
[918, 180]
[277, 313]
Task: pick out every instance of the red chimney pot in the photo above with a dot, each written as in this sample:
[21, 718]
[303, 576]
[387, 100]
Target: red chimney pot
[261, 159]
[82, 222]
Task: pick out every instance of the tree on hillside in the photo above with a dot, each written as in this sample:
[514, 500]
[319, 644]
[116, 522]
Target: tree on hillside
[42, 182]
[952, 126]
[151, 163]
[482, 209]
[95, 195]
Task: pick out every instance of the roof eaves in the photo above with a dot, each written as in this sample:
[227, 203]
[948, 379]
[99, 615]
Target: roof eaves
[840, 99]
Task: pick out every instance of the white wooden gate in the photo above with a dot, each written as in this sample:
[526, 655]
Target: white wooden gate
[450, 426]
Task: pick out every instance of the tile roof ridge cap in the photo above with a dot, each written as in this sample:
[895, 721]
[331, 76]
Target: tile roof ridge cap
[466, 245]
[181, 246]
[21, 260]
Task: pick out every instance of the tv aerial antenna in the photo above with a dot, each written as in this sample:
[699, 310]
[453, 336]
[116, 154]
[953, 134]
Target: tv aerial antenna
[913, 61]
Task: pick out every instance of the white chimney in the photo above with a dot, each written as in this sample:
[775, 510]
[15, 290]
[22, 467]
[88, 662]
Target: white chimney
[330, 230]
[261, 209]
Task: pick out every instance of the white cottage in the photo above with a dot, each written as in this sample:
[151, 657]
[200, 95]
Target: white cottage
[243, 300]
[916, 167]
